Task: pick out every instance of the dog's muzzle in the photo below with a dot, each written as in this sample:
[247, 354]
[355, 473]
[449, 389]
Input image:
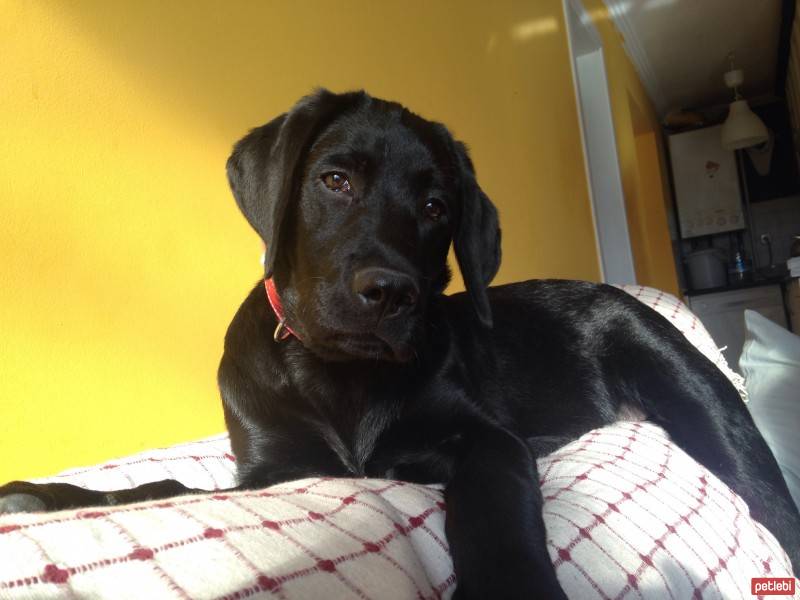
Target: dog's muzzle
[384, 293]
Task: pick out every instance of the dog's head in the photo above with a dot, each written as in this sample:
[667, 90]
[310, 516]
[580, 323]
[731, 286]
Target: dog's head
[357, 200]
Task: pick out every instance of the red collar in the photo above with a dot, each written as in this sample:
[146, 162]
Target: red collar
[282, 331]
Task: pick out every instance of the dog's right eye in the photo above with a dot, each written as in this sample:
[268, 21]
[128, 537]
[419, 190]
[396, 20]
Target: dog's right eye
[337, 182]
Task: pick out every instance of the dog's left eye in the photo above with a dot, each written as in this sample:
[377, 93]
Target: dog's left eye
[435, 209]
[338, 182]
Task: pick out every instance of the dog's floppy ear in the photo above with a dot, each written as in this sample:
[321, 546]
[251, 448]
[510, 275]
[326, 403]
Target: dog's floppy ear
[265, 165]
[476, 239]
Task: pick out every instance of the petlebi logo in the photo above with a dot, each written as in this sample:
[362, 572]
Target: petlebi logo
[772, 586]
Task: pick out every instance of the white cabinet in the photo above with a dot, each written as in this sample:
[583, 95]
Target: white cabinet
[793, 304]
[722, 313]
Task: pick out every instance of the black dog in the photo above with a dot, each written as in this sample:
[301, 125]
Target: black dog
[359, 365]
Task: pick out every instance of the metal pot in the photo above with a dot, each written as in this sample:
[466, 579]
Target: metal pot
[707, 269]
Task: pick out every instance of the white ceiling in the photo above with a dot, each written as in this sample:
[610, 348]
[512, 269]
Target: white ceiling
[680, 47]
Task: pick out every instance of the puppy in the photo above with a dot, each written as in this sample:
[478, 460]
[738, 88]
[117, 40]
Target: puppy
[348, 360]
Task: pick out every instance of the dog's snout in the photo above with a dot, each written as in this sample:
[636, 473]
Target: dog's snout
[385, 291]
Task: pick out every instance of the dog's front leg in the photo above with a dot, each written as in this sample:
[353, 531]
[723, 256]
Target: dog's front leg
[22, 496]
[494, 520]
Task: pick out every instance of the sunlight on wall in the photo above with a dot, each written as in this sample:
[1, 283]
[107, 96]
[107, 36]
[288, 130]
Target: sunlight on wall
[124, 257]
[528, 29]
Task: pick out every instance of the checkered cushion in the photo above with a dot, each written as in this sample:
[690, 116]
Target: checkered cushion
[628, 514]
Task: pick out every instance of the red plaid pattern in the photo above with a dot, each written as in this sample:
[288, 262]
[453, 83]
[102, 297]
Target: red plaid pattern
[314, 538]
[628, 514]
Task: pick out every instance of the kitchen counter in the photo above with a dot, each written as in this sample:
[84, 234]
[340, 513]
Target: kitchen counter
[781, 278]
[721, 310]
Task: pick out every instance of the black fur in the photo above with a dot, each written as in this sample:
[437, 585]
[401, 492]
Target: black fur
[464, 389]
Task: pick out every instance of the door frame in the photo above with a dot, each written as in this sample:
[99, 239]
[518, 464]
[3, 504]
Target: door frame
[607, 198]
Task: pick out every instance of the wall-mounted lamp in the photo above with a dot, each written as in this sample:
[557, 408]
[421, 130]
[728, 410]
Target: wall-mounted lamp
[742, 128]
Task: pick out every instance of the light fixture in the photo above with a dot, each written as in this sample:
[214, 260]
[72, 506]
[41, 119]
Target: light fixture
[742, 128]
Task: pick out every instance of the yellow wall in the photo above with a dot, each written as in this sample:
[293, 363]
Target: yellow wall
[639, 148]
[123, 255]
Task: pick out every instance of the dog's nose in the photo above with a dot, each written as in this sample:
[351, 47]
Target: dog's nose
[388, 292]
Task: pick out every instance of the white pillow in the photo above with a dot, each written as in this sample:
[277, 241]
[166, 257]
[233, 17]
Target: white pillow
[770, 362]
[628, 514]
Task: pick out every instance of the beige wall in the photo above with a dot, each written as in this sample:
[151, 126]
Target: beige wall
[124, 256]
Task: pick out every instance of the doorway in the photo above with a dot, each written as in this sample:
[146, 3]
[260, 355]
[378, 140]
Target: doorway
[599, 147]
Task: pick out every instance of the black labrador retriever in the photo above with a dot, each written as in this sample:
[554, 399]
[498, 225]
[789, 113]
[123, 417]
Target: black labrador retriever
[352, 362]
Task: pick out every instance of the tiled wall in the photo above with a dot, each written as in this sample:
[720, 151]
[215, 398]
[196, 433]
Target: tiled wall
[793, 77]
[781, 220]
[781, 217]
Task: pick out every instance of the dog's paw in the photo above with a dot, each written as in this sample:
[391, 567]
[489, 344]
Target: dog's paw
[17, 503]
[21, 496]
[509, 586]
